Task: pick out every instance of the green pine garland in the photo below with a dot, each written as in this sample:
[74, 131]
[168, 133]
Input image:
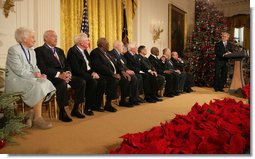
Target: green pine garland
[10, 123]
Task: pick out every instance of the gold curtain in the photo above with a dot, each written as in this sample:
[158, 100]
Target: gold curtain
[70, 21]
[105, 20]
[238, 21]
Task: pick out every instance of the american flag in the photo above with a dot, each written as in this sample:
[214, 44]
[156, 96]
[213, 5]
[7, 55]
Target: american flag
[124, 29]
[85, 19]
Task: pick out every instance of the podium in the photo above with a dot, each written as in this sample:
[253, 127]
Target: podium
[237, 82]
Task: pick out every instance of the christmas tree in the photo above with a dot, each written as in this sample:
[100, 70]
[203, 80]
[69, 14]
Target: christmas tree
[209, 23]
[10, 123]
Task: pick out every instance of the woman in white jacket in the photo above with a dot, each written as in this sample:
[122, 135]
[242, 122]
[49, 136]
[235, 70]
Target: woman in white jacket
[23, 75]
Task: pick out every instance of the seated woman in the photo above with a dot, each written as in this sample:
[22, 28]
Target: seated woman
[23, 75]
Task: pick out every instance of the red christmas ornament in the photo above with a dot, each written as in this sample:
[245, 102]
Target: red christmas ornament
[2, 143]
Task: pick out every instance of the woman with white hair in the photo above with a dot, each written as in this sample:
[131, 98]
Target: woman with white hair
[23, 75]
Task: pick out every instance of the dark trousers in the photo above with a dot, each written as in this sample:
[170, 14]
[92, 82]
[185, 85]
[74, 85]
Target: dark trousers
[160, 82]
[94, 92]
[111, 87]
[129, 88]
[77, 84]
[171, 84]
[189, 82]
[149, 85]
[221, 72]
[139, 83]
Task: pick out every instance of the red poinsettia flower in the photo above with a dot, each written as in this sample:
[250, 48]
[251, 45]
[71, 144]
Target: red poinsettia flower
[220, 127]
[246, 91]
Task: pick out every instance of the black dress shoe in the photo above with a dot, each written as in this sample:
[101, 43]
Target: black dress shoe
[221, 90]
[150, 100]
[88, 112]
[77, 114]
[134, 102]
[99, 109]
[125, 104]
[157, 99]
[110, 109]
[64, 117]
[168, 95]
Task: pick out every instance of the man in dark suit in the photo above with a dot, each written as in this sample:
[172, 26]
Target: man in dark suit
[52, 62]
[158, 65]
[148, 67]
[80, 63]
[221, 49]
[170, 69]
[105, 67]
[179, 64]
[128, 83]
[134, 65]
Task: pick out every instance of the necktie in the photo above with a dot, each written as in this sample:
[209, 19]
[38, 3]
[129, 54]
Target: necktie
[225, 45]
[56, 55]
[114, 69]
[86, 60]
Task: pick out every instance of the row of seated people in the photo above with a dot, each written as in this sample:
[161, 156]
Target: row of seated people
[98, 73]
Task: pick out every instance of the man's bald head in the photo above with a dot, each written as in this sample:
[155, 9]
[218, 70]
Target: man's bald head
[155, 51]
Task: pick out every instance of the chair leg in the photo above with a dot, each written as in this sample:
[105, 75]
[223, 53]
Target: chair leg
[23, 107]
[55, 107]
[50, 111]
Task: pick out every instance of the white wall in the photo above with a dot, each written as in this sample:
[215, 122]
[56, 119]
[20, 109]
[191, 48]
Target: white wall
[39, 15]
[155, 10]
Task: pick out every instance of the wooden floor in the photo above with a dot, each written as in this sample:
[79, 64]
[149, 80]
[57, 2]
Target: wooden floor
[101, 132]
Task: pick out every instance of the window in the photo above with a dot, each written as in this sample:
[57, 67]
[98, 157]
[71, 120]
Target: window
[238, 35]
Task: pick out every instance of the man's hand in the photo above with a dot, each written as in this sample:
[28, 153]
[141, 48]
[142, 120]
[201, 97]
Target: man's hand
[116, 76]
[126, 76]
[168, 71]
[95, 75]
[154, 73]
[178, 71]
[130, 72]
[227, 53]
[66, 76]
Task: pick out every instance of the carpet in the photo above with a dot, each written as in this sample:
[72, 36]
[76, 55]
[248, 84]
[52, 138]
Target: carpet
[100, 133]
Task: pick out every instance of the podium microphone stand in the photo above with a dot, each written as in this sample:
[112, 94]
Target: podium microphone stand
[237, 82]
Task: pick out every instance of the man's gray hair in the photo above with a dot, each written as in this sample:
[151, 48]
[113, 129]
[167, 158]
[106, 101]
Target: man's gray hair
[80, 36]
[131, 45]
[165, 50]
[21, 33]
[116, 44]
[46, 33]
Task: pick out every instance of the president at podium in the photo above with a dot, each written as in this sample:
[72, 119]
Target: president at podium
[221, 49]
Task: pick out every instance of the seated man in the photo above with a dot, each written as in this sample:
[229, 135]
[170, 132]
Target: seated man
[169, 76]
[170, 69]
[128, 82]
[104, 66]
[148, 67]
[52, 62]
[80, 63]
[179, 64]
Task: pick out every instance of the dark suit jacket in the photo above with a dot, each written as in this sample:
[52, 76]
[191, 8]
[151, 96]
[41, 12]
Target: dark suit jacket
[157, 64]
[168, 65]
[119, 60]
[78, 64]
[177, 64]
[145, 63]
[132, 62]
[220, 50]
[101, 64]
[47, 62]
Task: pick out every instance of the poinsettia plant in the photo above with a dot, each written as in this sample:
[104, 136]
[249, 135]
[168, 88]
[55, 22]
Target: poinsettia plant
[246, 91]
[220, 127]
